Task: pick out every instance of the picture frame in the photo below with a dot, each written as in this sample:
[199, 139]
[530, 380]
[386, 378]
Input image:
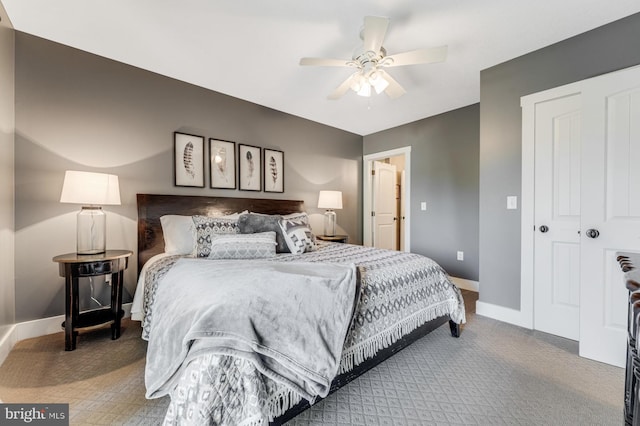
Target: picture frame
[273, 167]
[188, 156]
[222, 169]
[250, 167]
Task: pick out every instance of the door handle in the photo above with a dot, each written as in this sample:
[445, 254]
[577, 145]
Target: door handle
[593, 233]
[544, 228]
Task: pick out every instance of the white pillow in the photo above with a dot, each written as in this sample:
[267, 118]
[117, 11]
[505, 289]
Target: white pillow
[260, 245]
[179, 234]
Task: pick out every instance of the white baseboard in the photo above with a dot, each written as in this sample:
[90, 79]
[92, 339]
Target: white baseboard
[503, 314]
[7, 342]
[465, 284]
[37, 328]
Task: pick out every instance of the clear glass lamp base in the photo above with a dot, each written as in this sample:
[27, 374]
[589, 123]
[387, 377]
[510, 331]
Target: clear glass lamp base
[92, 224]
[330, 223]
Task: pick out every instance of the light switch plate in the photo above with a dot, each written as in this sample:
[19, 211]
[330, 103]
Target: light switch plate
[423, 205]
[512, 202]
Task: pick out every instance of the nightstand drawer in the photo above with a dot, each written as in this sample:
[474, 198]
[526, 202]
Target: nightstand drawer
[92, 269]
[95, 268]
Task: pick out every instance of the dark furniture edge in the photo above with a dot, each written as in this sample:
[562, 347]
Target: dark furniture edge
[629, 262]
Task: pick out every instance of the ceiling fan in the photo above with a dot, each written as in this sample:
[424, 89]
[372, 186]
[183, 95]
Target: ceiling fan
[370, 60]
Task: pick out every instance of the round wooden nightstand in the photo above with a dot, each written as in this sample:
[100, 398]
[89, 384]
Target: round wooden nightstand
[334, 238]
[74, 266]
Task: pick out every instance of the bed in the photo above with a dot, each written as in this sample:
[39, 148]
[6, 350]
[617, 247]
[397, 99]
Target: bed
[381, 301]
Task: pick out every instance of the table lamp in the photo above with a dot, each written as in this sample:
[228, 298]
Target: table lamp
[330, 200]
[91, 190]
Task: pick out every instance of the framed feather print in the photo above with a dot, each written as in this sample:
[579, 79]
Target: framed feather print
[249, 167]
[273, 167]
[223, 164]
[188, 159]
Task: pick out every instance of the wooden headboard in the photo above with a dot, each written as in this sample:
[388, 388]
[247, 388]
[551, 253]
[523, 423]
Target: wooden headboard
[152, 207]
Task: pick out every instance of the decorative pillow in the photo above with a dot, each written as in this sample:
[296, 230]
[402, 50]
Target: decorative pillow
[252, 223]
[206, 227]
[298, 236]
[179, 234]
[243, 246]
[297, 216]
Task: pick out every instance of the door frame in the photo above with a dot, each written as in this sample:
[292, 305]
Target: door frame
[527, 198]
[367, 187]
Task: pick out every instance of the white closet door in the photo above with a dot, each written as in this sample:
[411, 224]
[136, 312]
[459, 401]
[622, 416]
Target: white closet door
[557, 217]
[610, 209]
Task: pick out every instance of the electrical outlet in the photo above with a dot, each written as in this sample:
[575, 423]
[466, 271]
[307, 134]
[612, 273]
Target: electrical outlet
[423, 206]
[460, 255]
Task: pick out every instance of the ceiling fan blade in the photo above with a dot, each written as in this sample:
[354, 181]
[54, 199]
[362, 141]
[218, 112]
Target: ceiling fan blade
[420, 56]
[324, 62]
[393, 90]
[375, 28]
[342, 89]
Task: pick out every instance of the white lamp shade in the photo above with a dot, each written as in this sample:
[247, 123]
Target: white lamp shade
[378, 82]
[330, 200]
[88, 188]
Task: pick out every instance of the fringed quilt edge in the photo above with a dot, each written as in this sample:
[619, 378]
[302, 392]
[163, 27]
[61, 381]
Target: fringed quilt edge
[279, 403]
[358, 353]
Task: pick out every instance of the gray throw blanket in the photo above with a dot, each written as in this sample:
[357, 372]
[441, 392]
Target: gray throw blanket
[290, 320]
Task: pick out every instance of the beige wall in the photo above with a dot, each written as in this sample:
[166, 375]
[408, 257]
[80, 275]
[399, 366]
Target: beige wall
[7, 273]
[78, 111]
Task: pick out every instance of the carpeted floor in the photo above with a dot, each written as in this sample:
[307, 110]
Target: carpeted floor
[493, 374]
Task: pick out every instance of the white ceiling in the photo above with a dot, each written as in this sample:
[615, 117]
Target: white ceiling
[250, 49]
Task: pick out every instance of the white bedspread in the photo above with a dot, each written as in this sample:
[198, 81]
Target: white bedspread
[288, 319]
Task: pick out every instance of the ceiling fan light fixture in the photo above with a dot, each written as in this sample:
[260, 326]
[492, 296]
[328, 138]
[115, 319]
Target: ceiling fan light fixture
[357, 82]
[378, 82]
[365, 90]
[371, 59]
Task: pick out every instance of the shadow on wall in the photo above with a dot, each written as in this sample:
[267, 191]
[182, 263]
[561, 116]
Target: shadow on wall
[347, 221]
[44, 227]
[39, 174]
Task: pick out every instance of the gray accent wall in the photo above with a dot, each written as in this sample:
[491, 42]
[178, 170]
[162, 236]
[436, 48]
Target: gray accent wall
[602, 50]
[78, 111]
[7, 230]
[444, 173]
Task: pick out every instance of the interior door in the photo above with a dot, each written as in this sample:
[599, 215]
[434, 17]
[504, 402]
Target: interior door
[557, 217]
[610, 209]
[385, 212]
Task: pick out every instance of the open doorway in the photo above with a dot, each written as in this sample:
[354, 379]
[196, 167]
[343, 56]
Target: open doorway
[386, 201]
